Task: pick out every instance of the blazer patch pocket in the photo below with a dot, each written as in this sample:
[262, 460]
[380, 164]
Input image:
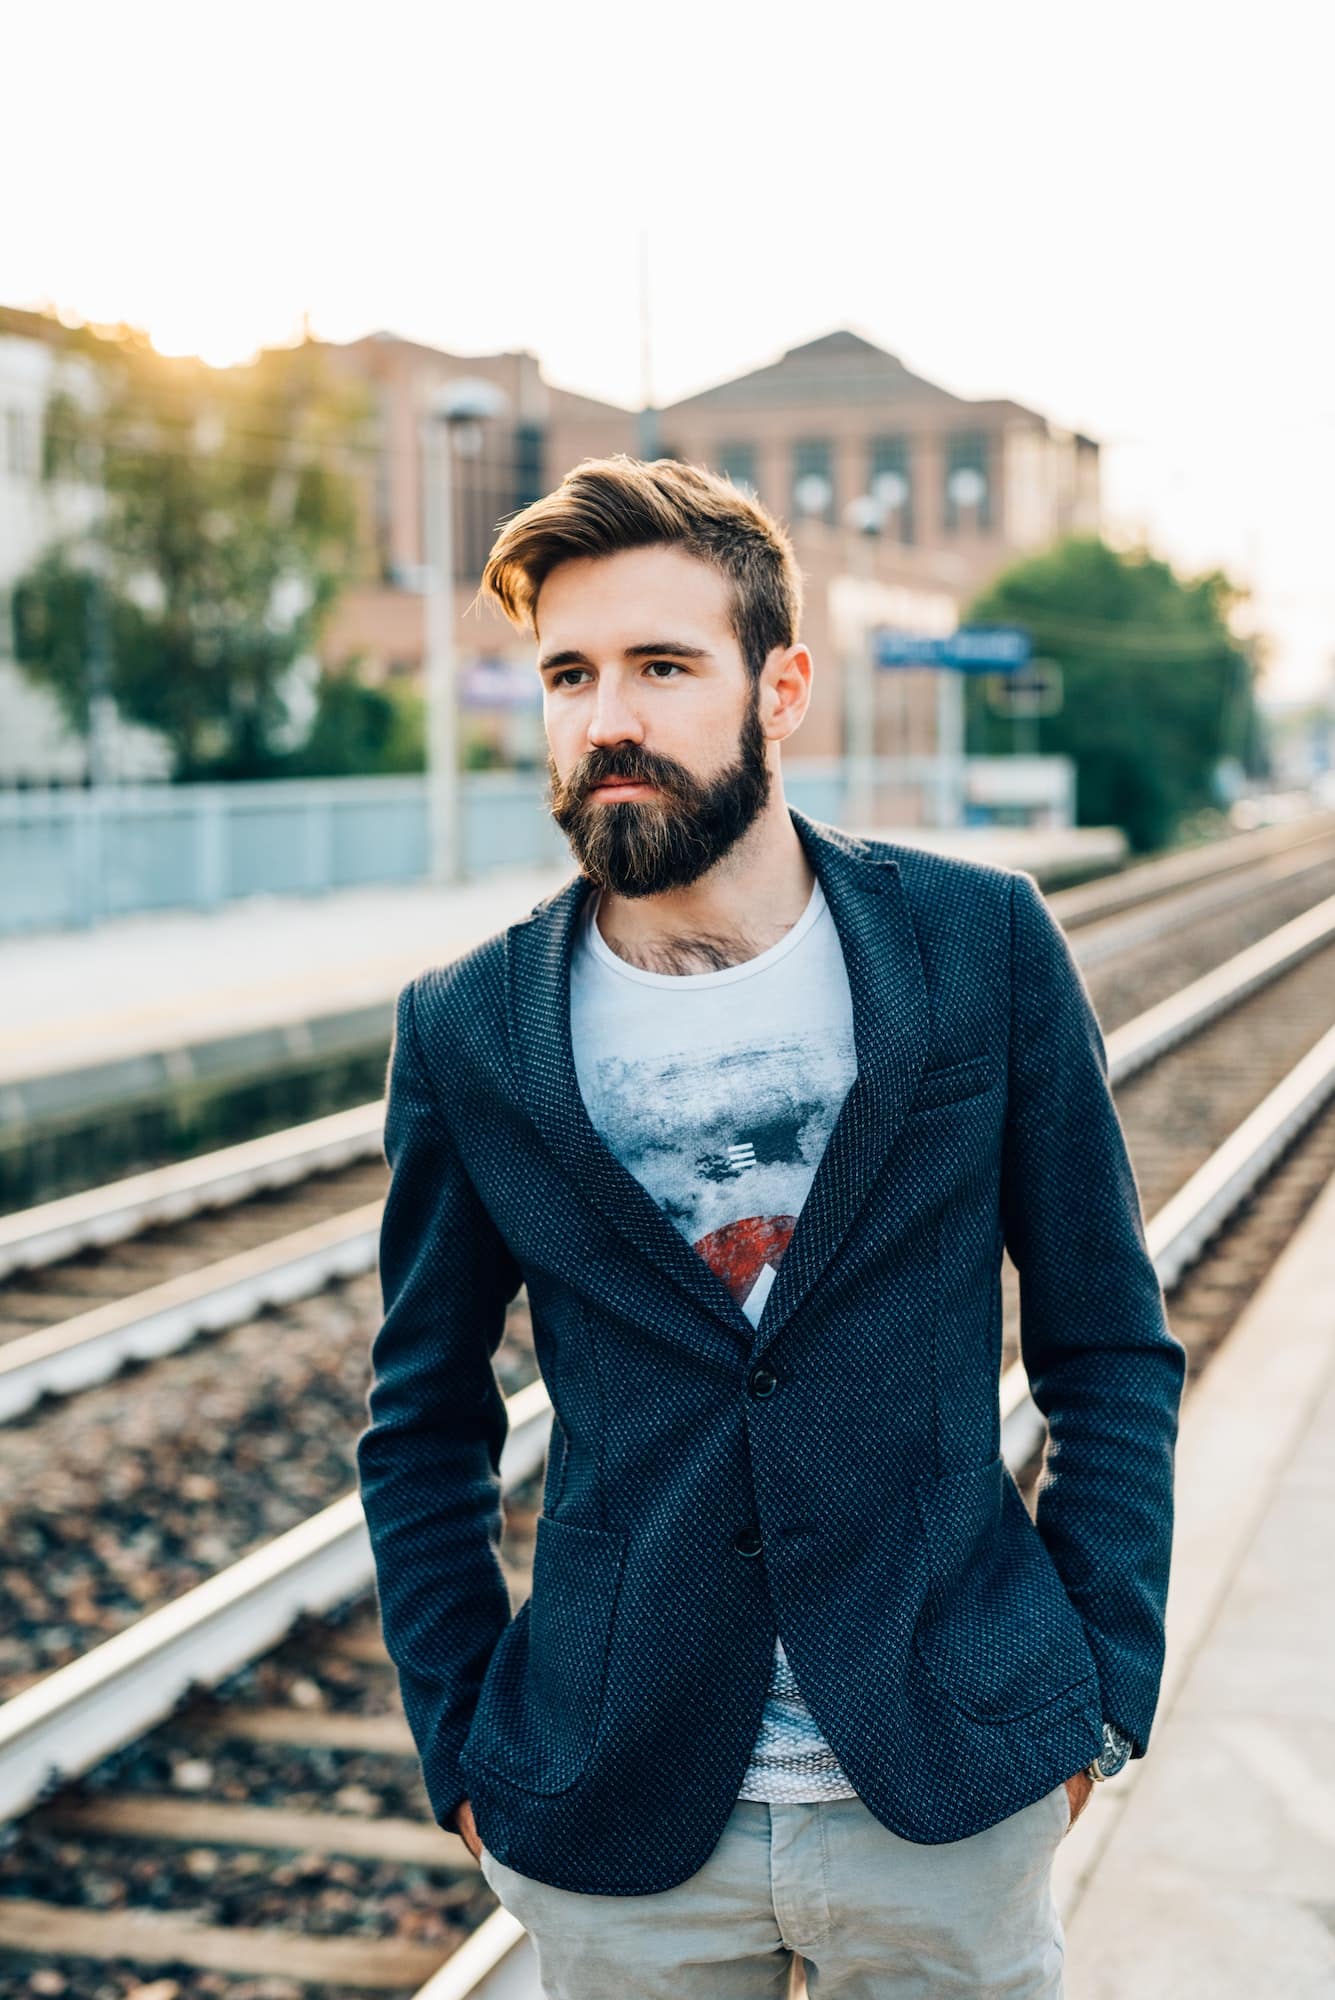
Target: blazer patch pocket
[998, 1632]
[947, 1083]
[537, 1718]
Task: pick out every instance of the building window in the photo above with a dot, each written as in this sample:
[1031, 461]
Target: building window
[737, 462]
[968, 493]
[890, 480]
[496, 471]
[529, 454]
[20, 444]
[813, 479]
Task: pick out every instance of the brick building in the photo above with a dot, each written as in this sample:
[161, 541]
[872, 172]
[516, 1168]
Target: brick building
[949, 490]
[500, 463]
[961, 488]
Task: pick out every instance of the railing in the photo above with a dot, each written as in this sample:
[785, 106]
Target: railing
[76, 857]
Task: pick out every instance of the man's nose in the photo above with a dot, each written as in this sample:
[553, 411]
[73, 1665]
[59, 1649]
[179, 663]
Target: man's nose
[614, 719]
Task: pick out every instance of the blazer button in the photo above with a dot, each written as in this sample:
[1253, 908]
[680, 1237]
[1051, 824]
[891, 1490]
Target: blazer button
[763, 1381]
[747, 1541]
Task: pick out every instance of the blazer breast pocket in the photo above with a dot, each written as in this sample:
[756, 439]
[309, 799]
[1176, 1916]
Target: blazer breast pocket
[949, 1082]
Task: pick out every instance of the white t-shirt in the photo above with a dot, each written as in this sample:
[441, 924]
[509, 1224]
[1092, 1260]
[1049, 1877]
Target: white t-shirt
[719, 1091]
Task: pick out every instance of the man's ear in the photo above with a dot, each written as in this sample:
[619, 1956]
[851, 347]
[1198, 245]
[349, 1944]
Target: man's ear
[785, 690]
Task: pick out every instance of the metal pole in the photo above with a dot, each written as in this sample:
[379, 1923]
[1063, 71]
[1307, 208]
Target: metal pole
[949, 746]
[444, 802]
[95, 814]
[100, 705]
[648, 419]
[860, 695]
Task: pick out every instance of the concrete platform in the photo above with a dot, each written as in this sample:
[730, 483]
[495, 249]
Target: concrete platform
[71, 999]
[1207, 1868]
[155, 1036]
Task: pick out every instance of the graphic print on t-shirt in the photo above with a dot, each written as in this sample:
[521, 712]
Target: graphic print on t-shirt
[719, 1092]
[727, 1141]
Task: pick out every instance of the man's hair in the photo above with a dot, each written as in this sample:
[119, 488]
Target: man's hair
[605, 505]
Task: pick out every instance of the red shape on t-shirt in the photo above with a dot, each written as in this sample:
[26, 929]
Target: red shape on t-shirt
[739, 1252]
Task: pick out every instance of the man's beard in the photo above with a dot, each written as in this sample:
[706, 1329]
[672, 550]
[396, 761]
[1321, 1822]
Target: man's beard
[641, 847]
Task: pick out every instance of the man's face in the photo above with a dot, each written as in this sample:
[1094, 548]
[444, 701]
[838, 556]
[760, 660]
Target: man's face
[658, 761]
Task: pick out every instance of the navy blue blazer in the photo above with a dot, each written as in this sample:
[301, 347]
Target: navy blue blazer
[958, 1657]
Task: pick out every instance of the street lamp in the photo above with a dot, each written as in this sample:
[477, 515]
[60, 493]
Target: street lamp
[966, 486]
[451, 422]
[891, 490]
[813, 494]
[865, 517]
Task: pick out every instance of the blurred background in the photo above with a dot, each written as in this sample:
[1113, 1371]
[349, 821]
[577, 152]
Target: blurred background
[1012, 327]
[1019, 319]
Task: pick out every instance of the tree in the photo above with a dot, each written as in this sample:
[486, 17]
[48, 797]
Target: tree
[360, 731]
[1156, 688]
[229, 525]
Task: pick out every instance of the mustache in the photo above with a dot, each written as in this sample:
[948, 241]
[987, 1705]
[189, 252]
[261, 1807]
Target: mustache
[608, 775]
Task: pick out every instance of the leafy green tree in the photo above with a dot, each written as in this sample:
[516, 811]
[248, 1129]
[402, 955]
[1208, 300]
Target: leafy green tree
[229, 526]
[360, 731]
[1156, 688]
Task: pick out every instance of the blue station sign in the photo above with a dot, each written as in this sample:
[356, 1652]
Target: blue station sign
[974, 649]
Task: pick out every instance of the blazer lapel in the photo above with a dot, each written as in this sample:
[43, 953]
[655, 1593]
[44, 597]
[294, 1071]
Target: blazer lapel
[538, 955]
[891, 1022]
[891, 1029]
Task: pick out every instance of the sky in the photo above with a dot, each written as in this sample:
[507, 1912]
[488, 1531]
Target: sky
[1114, 215]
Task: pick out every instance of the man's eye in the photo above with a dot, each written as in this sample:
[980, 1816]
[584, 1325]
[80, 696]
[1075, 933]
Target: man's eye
[670, 667]
[563, 678]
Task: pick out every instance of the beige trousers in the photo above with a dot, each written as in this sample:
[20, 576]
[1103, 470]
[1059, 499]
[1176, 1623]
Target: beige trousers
[822, 1889]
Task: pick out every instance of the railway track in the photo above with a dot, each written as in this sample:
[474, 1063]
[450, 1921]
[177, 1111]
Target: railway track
[112, 1507]
[283, 1813]
[275, 1829]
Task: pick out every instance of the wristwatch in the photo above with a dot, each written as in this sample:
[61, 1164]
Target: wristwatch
[1117, 1747]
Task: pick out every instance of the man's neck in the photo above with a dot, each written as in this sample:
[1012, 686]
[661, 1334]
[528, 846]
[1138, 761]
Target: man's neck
[745, 904]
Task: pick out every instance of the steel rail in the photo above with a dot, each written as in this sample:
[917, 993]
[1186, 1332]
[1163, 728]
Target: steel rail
[1139, 1043]
[79, 1714]
[1180, 1230]
[91, 1347]
[496, 1962]
[55, 1230]
[1145, 881]
[1151, 922]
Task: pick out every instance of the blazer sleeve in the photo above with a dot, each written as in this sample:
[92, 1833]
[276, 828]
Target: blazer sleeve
[428, 1464]
[1103, 1366]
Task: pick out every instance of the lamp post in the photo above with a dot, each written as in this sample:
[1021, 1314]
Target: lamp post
[812, 495]
[864, 516]
[890, 490]
[451, 419]
[967, 487]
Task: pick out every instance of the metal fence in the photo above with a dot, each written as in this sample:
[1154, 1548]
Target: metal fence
[77, 857]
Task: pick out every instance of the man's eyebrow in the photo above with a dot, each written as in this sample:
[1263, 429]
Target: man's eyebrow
[572, 657]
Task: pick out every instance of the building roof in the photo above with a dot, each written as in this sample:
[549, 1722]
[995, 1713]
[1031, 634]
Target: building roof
[563, 402]
[839, 367]
[573, 403]
[21, 323]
